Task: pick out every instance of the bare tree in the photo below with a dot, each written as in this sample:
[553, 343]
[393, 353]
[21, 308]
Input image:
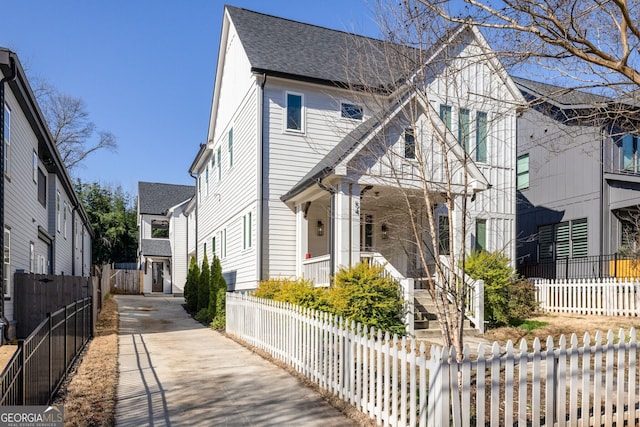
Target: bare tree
[434, 87]
[594, 43]
[75, 135]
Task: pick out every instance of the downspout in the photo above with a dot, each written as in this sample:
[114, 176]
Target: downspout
[197, 193]
[603, 206]
[11, 76]
[260, 159]
[332, 228]
[73, 241]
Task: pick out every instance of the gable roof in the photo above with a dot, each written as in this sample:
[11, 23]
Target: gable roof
[296, 50]
[559, 96]
[156, 198]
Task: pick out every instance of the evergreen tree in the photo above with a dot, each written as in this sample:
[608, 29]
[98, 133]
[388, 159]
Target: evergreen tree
[204, 285]
[219, 319]
[191, 286]
[216, 274]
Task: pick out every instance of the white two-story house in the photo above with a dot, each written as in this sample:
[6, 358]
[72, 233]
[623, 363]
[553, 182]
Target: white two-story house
[304, 162]
[46, 229]
[162, 236]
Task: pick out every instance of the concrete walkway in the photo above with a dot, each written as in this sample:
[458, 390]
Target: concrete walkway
[176, 372]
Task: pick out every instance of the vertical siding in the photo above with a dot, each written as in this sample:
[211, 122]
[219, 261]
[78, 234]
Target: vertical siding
[178, 238]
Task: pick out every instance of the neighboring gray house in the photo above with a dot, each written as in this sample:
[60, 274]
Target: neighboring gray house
[578, 181]
[46, 229]
[163, 231]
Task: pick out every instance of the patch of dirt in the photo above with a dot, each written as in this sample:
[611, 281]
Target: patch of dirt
[6, 352]
[89, 397]
[564, 324]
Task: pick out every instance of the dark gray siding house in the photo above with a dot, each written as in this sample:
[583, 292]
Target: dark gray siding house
[46, 229]
[578, 184]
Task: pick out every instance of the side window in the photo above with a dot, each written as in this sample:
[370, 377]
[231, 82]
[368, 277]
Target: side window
[58, 213]
[230, 147]
[294, 112]
[7, 140]
[481, 234]
[409, 143]
[247, 231]
[445, 115]
[522, 172]
[464, 129]
[219, 163]
[481, 137]
[42, 188]
[35, 167]
[350, 111]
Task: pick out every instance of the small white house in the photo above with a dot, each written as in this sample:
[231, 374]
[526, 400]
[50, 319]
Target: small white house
[162, 228]
[291, 181]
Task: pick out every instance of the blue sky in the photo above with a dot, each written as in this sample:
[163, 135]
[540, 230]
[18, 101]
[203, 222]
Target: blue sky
[145, 69]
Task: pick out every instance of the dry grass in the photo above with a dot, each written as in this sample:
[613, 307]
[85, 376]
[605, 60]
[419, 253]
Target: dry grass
[563, 324]
[89, 397]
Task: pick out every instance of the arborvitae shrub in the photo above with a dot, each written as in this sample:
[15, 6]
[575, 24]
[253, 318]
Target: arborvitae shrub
[216, 278]
[204, 286]
[191, 286]
[219, 322]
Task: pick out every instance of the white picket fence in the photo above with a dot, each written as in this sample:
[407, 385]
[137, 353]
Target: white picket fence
[398, 383]
[605, 297]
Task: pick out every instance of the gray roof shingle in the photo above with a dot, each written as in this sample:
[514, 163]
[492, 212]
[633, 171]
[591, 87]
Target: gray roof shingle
[564, 97]
[156, 199]
[309, 52]
[156, 247]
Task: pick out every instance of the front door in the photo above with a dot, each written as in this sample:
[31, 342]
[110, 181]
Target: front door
[158, 278]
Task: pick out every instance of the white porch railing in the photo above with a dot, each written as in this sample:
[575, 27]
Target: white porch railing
[317, 270]
[475, 294]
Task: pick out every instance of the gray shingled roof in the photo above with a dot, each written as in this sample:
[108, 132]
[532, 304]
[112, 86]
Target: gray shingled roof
[156, 199]
[563, 97]
[156, 247]
[283, 47]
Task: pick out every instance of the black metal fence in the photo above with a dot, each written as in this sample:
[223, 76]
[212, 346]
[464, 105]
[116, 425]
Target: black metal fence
[42, 360]
[600, 266]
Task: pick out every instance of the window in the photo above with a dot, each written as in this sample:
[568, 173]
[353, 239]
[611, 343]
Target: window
[443, 234]
[6, 280]
[481, 137]
[563, 240]
[481, 234]
[204, 249]
[58, 216]
[294, 112]
[32, 257]
[445, 115]
[222, 238]
[64, 220]
[219, 163]
[630, 158]
[42, 188]
[230, 147]
[522, 172]
[409, 143]
[159, 229]
[35, 167]
[351, 111]
[366, 232]
[247, 231]
[7, 139]
[464, 129]
[213, 245]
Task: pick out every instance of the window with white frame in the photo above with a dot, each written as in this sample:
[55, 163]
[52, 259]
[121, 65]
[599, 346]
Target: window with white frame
[247, 231]
[64, 219]
[213, 245]
[222, 239]
[58, 214]
[464, 129]
[7, 139]
[35, 167]
[522, 172]
[445, 115]
[409, 143]
[351, 111]
[481, 137]
[6, 282]
[42, 188]
[219, 163]
[32, 257]
[294, 112]
[481, 234]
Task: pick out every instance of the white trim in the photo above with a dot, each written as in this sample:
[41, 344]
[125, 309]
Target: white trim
[302, 113]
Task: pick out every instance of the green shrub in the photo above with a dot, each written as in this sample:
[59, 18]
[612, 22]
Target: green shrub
[522, 302]
[203, 316]
[294, 291]
[204, 285]
[214, 283]
[219, 322]
[191, 286]
[494, 269]
[363, 295]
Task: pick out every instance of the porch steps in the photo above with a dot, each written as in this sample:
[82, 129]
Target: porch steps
[425, 323]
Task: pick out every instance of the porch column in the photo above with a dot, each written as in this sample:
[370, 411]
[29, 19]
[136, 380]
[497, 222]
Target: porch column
[346, 225]
[302, 239]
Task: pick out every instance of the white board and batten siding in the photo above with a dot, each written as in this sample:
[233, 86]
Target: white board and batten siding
[178, 240]
[478, 88]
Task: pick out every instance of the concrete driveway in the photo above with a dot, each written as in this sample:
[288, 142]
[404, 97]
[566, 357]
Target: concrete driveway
[176, 372]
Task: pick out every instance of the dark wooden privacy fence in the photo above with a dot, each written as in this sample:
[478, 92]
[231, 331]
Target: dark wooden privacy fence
[42, 360]
[39, 294]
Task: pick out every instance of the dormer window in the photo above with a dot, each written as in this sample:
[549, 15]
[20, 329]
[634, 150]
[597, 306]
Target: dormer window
[351, 111]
